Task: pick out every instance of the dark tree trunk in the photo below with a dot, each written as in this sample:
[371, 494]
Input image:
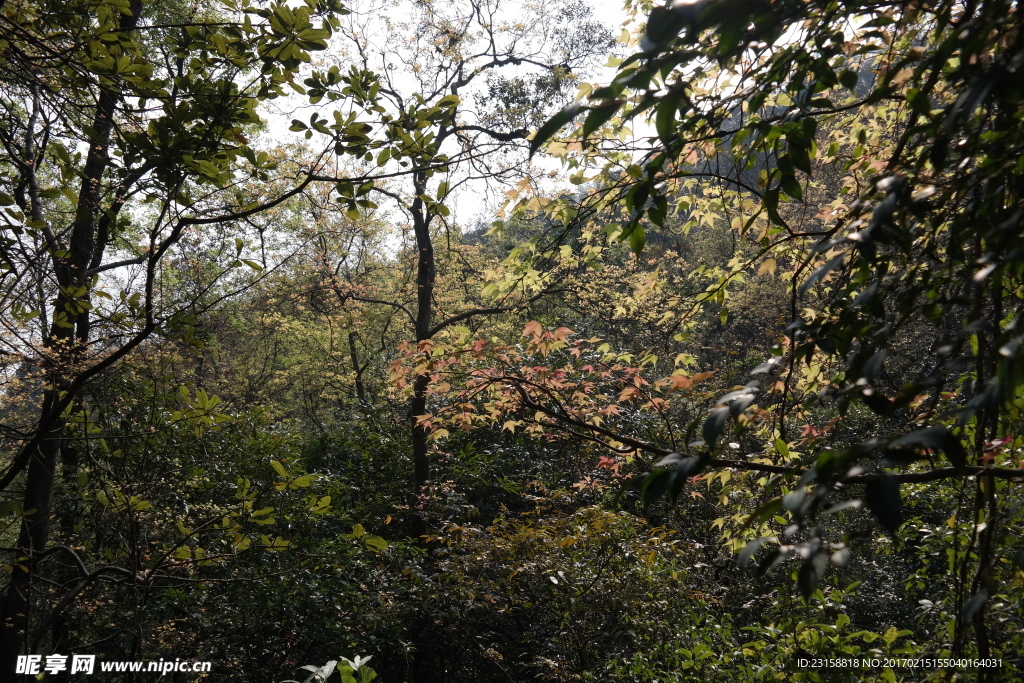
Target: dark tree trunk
[354, 353]
[427, 663]
[425, 274]
[35, 530]
[69, 332]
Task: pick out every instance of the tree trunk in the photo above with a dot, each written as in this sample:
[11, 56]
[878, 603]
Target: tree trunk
[425, 273]
[354, 354]
[67, 339]
[426, 660]
[35, 530]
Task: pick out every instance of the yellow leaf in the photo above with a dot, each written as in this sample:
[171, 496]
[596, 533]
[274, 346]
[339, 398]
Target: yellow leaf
[903, 76]
[767, 267]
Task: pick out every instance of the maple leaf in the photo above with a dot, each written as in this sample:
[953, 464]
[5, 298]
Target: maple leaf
[584, 483]
[628, 393]
[677, 382]
[532, 328]
[996, 443]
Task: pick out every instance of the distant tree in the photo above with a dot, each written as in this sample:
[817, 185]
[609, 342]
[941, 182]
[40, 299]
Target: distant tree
[460, 84]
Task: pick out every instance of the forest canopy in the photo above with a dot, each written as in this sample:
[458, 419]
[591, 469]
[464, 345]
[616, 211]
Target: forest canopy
[495, 368]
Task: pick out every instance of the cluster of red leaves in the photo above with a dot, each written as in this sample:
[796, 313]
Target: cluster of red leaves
[549, 386]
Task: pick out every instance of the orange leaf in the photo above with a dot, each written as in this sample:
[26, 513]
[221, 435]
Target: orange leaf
[677, 382]
[628, 393]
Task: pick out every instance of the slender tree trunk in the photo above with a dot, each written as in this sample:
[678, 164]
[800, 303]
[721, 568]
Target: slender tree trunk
[354, 354]
[15, 609]
[68, 335]
[425, 274]
[427, 665]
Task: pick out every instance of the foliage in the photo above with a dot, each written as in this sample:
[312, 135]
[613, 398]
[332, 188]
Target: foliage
[903, 286]
[743, 390]
[346, 671]
[126, 149]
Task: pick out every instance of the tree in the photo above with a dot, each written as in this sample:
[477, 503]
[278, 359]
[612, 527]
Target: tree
[904, 299]
[463, 115]
[125, 130]
[458, 119]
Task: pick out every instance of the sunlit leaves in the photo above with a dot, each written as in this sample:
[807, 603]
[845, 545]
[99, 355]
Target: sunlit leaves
[369, 541]
[289, 480]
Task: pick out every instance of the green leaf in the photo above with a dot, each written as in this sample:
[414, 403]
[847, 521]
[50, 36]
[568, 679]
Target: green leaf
[750, 549]
[791, 186]
[666, 117]
[882, 496]
[662, 25]
[304, 481]
[714, 424]
[599, 115]
[637, 240]
[771, 205]
[799, 155]
[375, 543]
[935, 438]
[656, 484]
[821, 272]
[810, 573]
[770, 560]
[762, 513]
[974, 605]
[552, 126]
